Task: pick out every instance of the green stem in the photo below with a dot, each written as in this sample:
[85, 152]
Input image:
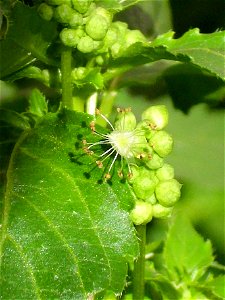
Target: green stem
[139, 266]
[66, 58]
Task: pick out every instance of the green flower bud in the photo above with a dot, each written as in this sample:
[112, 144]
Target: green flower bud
[58, 2]
[142, 213]
[98, 45]
[96, 27]
[135, 172]
[104, 13]
[133, 36]
[125, 120]
[145, 126]
[85, 45]
[121, 27]
[152, 199]
[144, 187]
[111, 37]
[162, 143]
[168, 192]
[78, 73]
[45, 11]
[157, 115]
[154, 162]
[165, 173]
[160, 211]
[63, 13]
[116, 49]
[99, 60]
[81, 6]
[75, 20]
[69, 37]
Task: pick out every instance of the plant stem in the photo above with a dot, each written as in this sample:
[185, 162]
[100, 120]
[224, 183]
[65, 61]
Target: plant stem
[139, 266]
[66, 58]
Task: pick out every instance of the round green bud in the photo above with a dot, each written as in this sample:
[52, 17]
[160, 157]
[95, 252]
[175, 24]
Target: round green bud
[96, 27]
[111, 37]
[144, 187]
[168, 192]
[141, 213]
[133, 36]
[63, 13]
[165, 173]
[58, 2]
[86, 44]
[75, 20]
[116, 49]
[81, 6]
[152, 199]
[125, 121]
[145, 126]
[135, 172]
[104, 13]
[98, 45]
[99, 60]
[69, 37]
[154, 162]
[162, 143]
[45, 11]
[157, 115]
[78, 73]
[160, 211]
[121, 28]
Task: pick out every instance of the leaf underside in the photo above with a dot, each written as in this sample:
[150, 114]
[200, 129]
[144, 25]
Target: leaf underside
[66, 234]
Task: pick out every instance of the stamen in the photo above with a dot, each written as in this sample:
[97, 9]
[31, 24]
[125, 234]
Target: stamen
[107, 176]
[99, 164]
[99, 113]
[112, 163]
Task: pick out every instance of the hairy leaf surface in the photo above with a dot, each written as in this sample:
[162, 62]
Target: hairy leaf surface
[66, 233]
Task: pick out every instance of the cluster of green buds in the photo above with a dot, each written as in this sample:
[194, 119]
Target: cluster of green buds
[143, 146]
[152, 179]
[89, 27]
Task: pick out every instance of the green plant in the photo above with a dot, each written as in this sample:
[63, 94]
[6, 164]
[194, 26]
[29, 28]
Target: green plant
[69, 202]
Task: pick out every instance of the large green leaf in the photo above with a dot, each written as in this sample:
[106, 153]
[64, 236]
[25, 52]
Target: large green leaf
[187, 255]
[204, 50]
[66, 234]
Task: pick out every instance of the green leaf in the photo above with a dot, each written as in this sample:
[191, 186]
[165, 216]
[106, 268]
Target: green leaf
[93, 78]
[13, 57]
[188, 85]
[37, 104]
[65, 233]
[34, 44]
[166, 288]
[116, 5]
[13, 118]
[187, 255]
[203, 50]
[217, 285]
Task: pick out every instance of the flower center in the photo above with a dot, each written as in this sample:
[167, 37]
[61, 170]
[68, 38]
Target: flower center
[124, 142]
